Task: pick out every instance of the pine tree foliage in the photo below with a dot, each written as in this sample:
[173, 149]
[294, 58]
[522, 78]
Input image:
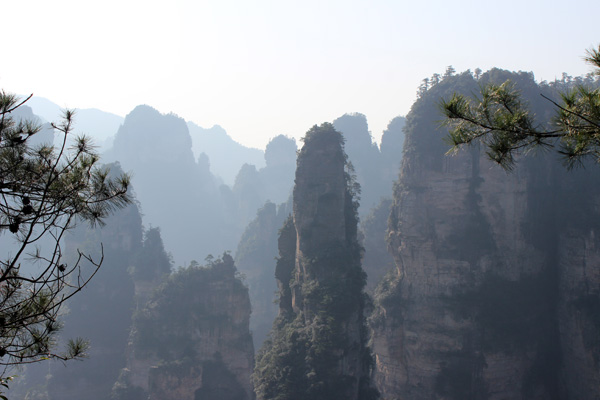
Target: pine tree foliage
[44, 191]
[504, 124]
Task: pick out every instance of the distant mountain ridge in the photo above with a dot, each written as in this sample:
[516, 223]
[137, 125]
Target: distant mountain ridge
[98, 124]
[226, 156]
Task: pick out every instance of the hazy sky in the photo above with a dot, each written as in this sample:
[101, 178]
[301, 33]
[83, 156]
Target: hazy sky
[261, 68]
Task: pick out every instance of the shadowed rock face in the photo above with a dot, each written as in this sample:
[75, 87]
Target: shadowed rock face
[496, 273]
[255, 258]
[578, 258]
[461, 252]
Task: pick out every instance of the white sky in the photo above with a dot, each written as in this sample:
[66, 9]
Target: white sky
[261, 68]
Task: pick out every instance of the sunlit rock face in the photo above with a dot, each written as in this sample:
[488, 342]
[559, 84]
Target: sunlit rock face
[495, 294]
[192, 340]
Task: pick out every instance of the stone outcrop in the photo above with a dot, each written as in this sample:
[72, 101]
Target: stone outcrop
[495, 294]
[318, 343]
[192, 340]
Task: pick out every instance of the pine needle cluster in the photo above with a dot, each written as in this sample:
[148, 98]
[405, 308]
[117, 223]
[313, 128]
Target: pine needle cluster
[500, 120]
[45, 189]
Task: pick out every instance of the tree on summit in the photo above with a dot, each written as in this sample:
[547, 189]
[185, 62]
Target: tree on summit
[501, 121]
[44, 191]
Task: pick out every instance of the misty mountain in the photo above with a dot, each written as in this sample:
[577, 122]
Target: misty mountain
[226, 156]
[392, 143]
[375, 170]
[45, 135]
[255, 257]
[176, 193]
[99, 125]
[274, 182]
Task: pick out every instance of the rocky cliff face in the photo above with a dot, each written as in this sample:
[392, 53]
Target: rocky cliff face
[496, 288]
[192, 340]
[318, 343]
[466, 274]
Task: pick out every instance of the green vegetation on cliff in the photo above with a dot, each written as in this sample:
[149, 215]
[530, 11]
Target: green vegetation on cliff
[173, 305]
[191, 338]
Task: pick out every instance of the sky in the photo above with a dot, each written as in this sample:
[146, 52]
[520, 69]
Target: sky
[262, 68]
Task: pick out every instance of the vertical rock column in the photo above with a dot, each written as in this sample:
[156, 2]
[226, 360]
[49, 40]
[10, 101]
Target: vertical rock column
[318, 344]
